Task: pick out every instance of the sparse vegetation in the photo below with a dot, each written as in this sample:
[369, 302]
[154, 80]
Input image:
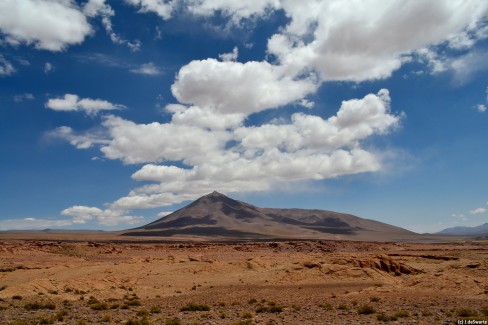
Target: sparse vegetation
[466, 312]
[106, 319]
[100, 306]
[155, 310]
[342, 307]
[173, 321]
[269, 309]
[326, 306]
[37, 306]
[246, 315]
[374, 299]
[402, 314]
[16, 297]
[366, 310]
[195, 307]
[484, 310]
[252, 301]
[142, 313]
[426, 313]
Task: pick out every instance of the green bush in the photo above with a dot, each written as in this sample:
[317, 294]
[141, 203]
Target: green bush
[195, 307]
[366, 310]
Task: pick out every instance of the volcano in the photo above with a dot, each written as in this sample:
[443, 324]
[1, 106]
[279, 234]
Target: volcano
[218, 217]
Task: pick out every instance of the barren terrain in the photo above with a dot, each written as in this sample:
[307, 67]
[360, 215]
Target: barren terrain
[301, 282]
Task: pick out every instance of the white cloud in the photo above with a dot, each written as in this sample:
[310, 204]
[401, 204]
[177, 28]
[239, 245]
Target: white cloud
[95, 8]
[48, 25]
[371, 41]
[156, 142]
[163, 9]
[72, 102]
[478, 211]
[164, 213]
[232, 56]
[80, 141]
[82, 214]
[235, 10]
[48, 68]
[148, 69]
[233, 158]
[32, 223]
[251, 86]
[6, 68]
[481, 108]
[23, 97]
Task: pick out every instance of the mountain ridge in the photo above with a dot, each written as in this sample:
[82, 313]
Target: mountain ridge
[218, 216]
[462, 231]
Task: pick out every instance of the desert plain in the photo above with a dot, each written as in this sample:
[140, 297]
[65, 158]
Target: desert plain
[103, 280]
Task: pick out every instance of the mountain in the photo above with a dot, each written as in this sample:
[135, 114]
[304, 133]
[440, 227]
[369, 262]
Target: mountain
[218, 217]
[466, 231]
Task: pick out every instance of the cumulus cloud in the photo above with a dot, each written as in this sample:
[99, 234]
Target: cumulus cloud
[48, 25]
[232, 157]
[6, 68]
[149, 69]
[72, 102]
[163, 9]
[82, 214]
[478, 211]
[252, 86]
[369, 42]
[33, 223]
[235, 10]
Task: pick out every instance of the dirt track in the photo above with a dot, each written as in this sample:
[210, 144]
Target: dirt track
[277, 283]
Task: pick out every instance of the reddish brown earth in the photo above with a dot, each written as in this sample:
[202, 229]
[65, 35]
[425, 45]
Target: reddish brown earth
[305, 282]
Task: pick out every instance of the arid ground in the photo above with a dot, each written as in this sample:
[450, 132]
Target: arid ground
[302, 282]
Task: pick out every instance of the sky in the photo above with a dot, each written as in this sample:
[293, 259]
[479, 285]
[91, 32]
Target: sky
[114, 113]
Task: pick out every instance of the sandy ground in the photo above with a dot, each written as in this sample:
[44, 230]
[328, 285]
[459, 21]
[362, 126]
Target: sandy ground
[319, 282]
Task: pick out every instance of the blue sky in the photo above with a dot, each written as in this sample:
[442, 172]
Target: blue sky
[114, 113]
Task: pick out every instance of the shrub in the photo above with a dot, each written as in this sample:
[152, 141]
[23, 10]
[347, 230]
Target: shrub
[342, 307]
[402, 314]
[246, 315]
[142, 313]
[465, 312]
[106, 319]
[252, 301]
[173, 321]
[269, 309]
[33, 306]
[484, 310]
[100, 306]
[134, 302]
[366, 310]
[326, 306]
[195, 307]
[425, 312]
[374, 299]
[155, 310]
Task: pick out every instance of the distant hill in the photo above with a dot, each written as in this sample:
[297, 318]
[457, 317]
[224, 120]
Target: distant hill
[217, 216]
[467, 231]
